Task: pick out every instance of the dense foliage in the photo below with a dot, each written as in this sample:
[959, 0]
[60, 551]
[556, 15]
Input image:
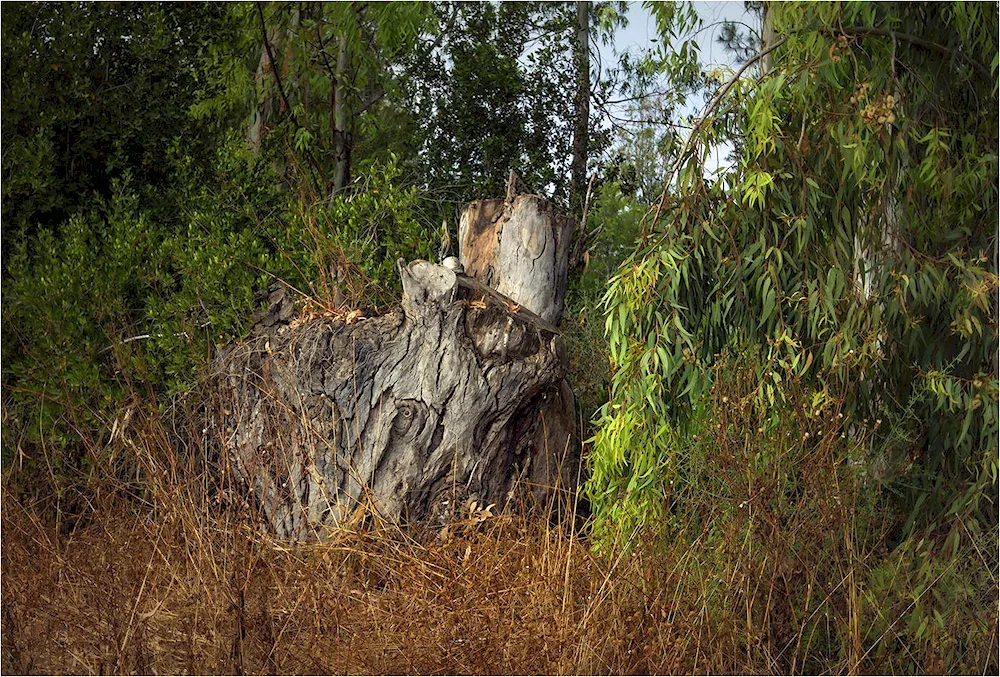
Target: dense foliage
[92, 91]
[852, 249]
[854, 243]
[164, 164]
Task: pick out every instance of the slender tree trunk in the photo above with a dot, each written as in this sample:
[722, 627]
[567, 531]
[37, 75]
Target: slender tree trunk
[581, 128]
[288, 57]
[341, 119]
[767, 36]
[263, 79]
[256, 128]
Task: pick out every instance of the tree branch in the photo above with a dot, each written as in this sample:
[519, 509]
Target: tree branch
[377, 95]
[449, 24]
[919, 42]
[583, 242]
[709, 110]
[270, 58]
[281, 90]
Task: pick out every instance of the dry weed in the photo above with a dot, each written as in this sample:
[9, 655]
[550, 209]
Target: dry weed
[166, 571]
[159, 575]
[175, 593]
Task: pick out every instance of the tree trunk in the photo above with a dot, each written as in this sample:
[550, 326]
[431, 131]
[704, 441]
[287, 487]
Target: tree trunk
[342, 137]
[520, 246]
[767, 36]
[581, 127]
[262, 112]
[457, 397]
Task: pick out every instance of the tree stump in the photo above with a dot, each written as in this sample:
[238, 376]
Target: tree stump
[457, 396]
[414, 411]
[519, 246]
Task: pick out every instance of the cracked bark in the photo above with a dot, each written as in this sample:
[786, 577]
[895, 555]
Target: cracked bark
[449, 399]
[520, 247]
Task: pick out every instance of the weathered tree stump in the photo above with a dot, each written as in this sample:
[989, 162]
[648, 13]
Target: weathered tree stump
[457, 396]
[429, 404]
[521, 247]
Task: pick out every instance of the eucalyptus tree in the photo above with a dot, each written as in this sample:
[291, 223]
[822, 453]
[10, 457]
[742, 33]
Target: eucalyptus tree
[852, 246]
[311, 80]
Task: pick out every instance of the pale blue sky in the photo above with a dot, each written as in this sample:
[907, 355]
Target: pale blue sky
[641, 29]
[641, 33]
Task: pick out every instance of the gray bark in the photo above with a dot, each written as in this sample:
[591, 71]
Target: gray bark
[519, 246]
[767, 37]
[342, 136]
[457, 396]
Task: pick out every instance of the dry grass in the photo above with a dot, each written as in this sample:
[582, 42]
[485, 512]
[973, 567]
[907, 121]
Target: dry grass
[180, 594]
[159, 576]
[159, 572]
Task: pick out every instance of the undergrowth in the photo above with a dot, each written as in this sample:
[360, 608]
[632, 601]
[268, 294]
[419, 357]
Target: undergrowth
[767, 546]
[171, 574]
[762, 564]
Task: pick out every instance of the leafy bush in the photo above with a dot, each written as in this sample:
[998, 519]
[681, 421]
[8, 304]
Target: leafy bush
[354, 240]
[849, 259]
[125, 293]
[92, 92]
[854, 245]
[616, 216]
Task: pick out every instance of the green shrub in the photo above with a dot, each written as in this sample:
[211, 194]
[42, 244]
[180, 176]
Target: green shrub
[128, 294]
[616, 216]
[764, 518]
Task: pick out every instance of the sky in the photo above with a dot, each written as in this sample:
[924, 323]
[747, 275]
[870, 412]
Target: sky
[641, 29]
[641, 33]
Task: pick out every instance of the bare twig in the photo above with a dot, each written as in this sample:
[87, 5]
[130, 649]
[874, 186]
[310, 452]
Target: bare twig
[144, 337]
[585, 239]
[140, 337]
[586, 203]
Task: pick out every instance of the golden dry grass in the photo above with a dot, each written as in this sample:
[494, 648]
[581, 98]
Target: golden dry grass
[158, 571]
[179, 594]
